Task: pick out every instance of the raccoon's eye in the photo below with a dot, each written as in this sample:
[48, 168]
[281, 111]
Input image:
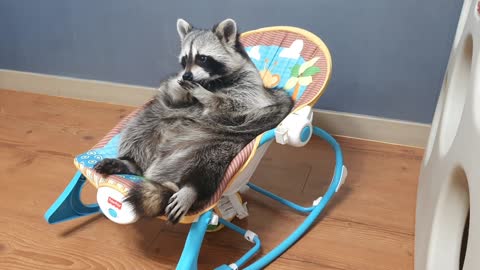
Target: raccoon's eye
[202, 58]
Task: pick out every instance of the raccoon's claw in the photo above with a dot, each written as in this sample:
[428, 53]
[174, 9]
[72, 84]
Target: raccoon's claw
[179, 204]
[187, 85]
[174, 210]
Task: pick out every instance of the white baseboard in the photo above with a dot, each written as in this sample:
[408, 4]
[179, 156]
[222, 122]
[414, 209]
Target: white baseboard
[115, 93]
[373, 128]
[337, 123]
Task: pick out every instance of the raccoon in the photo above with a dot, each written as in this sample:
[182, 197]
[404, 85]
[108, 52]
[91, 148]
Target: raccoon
[184, 139]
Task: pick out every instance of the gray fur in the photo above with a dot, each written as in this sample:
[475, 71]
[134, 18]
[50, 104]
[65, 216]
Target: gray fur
[184, 140]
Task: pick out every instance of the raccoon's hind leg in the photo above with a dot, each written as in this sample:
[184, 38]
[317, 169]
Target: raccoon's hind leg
[151, 197]
[183, 181]
[110, 166]
[205, 169]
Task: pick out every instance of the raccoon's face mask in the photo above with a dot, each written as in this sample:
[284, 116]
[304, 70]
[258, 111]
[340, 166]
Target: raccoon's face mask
[208, 55]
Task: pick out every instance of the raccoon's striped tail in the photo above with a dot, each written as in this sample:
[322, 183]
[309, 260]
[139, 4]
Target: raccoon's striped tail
[150, 198]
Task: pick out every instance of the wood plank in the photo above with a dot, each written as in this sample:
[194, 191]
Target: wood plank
[26, 245]
[63, 111]
[368, 225]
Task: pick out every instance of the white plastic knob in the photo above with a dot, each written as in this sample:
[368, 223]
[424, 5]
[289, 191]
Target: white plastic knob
[214, 220]
[296, 129]
[113, 207]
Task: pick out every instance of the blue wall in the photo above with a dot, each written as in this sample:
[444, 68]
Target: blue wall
[389, 56]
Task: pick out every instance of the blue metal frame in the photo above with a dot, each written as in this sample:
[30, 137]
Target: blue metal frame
[69, 205]
[308, 222]
[247, 255]
[193, 244]
[192, 248]
[281, 200]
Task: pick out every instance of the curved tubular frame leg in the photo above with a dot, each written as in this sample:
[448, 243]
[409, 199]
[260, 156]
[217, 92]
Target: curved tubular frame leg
[310, 219]
[247, 256]
[69, 205]
[192, 247]
[191, 250]
[281, 200]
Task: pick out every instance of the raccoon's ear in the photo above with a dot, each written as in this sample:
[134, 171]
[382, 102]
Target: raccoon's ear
[183, 27]
[226, 31]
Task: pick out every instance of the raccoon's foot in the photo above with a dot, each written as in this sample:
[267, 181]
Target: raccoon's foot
[180, 203]
[150, 198]
[110, 166]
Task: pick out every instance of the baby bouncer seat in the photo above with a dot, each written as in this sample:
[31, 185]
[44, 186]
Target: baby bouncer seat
[287, 58]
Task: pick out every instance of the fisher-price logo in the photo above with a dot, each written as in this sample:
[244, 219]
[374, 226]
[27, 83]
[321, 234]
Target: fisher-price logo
[115, 203]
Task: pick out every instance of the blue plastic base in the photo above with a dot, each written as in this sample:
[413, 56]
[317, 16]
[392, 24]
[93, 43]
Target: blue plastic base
[69, 205]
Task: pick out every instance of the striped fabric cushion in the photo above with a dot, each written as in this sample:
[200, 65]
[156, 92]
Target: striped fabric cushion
[287, 58]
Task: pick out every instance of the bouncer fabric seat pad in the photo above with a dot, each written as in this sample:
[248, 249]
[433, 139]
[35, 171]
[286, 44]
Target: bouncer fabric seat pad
[287, 58]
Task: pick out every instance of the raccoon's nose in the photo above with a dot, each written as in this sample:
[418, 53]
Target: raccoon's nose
[187, 76]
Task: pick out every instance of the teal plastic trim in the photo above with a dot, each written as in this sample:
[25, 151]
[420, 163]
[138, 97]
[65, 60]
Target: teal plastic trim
[306, 133]
[267, 136]
[69, 205]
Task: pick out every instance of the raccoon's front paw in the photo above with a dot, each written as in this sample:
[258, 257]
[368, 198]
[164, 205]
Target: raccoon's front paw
[187, 85]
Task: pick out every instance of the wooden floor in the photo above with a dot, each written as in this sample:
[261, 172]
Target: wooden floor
[369, 225]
